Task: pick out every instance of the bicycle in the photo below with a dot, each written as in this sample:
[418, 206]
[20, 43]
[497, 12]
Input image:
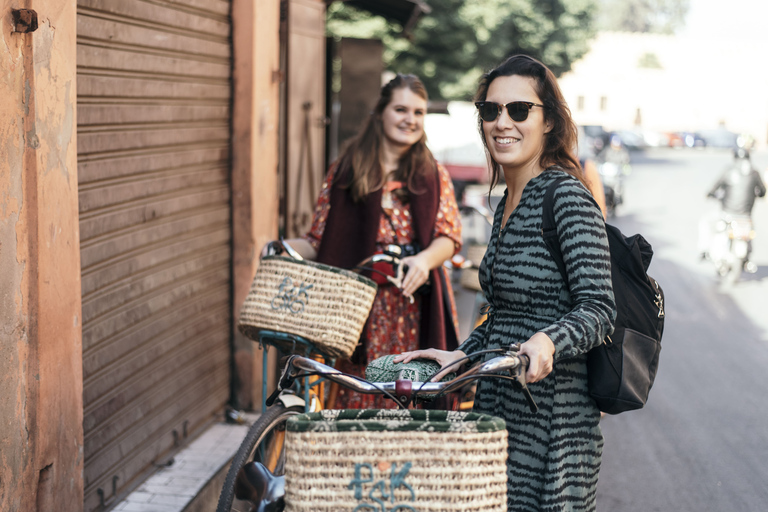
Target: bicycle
[254, 481]
[386, 267]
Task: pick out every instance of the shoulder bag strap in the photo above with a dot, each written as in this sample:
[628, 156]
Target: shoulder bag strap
[549, 228]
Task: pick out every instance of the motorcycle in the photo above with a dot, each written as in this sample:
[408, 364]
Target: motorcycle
[612, 175]
[731, 246]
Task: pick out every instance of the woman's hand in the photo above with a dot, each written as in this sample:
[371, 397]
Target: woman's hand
[443, 358]
[417, 275]
[419, 265]
[540, 350]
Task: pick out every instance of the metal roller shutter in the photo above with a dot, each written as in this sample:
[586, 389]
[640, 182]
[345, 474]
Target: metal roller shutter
[154, 105]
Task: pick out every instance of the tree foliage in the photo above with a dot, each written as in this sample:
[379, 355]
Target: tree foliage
[460, 39]
[659, 16]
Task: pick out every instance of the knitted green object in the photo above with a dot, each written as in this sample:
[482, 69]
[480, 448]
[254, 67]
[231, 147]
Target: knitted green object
[418, 370]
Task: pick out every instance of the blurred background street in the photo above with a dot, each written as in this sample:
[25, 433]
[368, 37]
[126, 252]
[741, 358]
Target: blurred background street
[701, 442]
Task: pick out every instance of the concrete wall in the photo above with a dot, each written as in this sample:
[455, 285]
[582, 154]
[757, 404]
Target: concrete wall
[41, 435]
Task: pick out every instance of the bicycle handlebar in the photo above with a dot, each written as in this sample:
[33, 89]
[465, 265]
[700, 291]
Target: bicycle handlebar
[510, 366]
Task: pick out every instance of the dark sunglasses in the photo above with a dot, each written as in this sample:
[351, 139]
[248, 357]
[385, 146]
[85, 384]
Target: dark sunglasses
[517, 110]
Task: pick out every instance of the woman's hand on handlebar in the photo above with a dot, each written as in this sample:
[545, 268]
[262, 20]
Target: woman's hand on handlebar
[443, 358]
[540, 350]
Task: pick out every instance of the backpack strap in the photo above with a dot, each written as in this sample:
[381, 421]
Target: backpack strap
[549, 228]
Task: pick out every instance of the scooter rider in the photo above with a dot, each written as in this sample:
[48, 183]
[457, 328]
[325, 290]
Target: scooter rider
[739, 186]
[736, 190]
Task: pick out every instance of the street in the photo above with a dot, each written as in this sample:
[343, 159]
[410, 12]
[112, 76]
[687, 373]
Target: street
[701, 443]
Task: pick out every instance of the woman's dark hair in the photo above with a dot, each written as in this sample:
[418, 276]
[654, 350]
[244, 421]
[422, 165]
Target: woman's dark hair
[360, 163]
[560, 142]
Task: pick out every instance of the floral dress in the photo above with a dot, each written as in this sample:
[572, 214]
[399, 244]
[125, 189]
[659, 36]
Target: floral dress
[393, 325]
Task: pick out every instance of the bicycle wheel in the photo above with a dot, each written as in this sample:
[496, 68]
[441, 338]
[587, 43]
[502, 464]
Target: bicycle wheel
[264, 443]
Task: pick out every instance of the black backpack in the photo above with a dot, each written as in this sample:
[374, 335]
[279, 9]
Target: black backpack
[622, 369]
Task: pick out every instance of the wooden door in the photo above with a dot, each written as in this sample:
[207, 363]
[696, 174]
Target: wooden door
[304, 111]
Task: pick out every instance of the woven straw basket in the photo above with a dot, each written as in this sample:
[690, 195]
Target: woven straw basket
[326, 305]
[405, 460]
[469, 276]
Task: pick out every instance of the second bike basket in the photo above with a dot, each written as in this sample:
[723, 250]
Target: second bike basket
[324, 304]
[389, 459]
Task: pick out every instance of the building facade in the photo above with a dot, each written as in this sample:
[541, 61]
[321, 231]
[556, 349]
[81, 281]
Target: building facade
[145, 147]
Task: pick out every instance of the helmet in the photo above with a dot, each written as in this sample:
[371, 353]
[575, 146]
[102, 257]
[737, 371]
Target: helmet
[741, 154]
[745, 167]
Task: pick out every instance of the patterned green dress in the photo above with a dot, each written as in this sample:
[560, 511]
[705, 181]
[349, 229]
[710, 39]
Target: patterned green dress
[554, 455]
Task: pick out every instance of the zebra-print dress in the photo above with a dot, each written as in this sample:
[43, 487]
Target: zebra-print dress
[554, 455]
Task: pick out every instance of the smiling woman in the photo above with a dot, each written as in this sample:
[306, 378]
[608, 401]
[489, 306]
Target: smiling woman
[554, 455]
[403, 121]
[387, 189]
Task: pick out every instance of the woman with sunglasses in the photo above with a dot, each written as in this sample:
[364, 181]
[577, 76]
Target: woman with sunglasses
[554, 455]
[387, 188]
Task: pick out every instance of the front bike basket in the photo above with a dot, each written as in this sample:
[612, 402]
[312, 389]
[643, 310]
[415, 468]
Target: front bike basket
[324, 304]
[397, 459]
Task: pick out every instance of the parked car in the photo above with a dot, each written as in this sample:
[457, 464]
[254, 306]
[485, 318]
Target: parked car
[719, 138]
[631, 140]
[596, 138]
[453, 138]
[686, 140]
[655, 139]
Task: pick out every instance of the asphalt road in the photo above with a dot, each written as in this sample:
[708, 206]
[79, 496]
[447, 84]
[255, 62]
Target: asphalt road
[701, 443]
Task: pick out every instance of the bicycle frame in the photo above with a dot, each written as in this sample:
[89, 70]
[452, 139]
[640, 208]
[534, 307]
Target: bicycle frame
[259, 486]
[313, 387]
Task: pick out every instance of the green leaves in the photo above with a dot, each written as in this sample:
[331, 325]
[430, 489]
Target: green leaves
[460, 39]
[660, 16]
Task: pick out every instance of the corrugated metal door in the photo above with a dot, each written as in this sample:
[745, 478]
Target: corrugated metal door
[154, 103]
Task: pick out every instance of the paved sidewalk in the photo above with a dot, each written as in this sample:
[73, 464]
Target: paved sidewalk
[171, 489]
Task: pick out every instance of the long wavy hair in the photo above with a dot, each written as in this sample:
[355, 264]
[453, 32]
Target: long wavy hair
[560, 142]
[360, 163]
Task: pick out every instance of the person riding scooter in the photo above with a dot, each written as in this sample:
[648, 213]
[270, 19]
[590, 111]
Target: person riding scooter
[736, 190]
[739, 186]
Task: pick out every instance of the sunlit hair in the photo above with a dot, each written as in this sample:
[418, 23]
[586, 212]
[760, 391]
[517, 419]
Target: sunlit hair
[560, 142]
[365, 153]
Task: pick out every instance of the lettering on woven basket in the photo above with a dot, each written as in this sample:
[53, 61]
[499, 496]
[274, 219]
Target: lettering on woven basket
[291, 297]
[381, 496]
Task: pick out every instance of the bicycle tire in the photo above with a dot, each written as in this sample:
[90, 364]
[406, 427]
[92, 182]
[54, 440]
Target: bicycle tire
[273, 420]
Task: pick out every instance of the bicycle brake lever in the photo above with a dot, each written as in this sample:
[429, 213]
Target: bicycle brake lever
[520, 378]
[286, 380]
